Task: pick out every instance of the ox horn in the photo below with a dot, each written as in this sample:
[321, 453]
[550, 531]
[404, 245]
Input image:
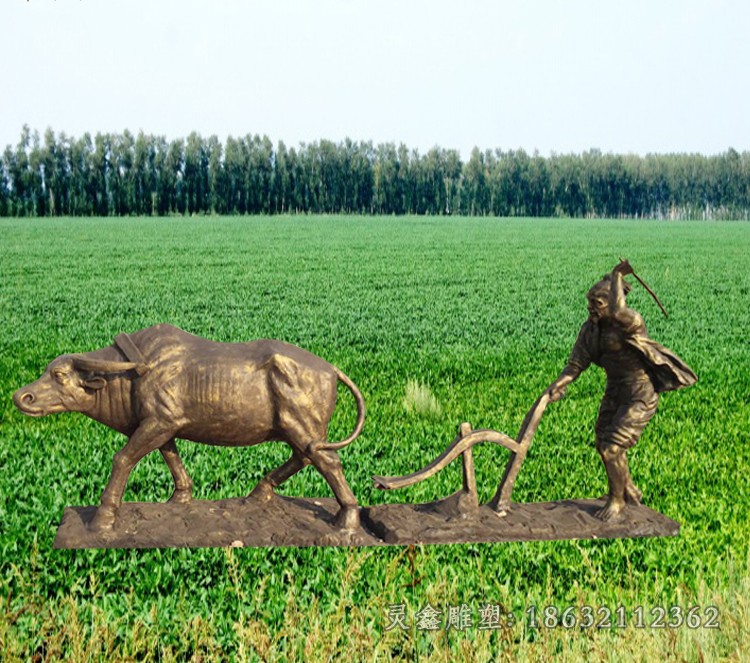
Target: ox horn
[104, 366]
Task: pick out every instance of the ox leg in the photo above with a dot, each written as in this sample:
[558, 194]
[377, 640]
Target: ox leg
[328, 464]
[183, 484]
[147, 437]
[265, 488]
[306, 402]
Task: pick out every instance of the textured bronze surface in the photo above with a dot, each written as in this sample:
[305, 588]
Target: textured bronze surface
[162, 383]
[462, 446]
[569, 519]
[277, 521]
[295, 521]
[638, 369]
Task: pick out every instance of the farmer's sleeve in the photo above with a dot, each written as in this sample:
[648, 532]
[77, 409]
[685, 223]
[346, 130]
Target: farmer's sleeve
[582, 353]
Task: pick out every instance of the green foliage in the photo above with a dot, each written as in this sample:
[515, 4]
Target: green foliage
[119, 175]
[485, 312]
[419, 400]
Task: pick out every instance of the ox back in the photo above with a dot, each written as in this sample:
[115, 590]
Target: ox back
[234, 394]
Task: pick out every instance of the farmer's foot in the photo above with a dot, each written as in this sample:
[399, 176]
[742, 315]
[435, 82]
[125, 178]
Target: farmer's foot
[632, 494]
[612, 510]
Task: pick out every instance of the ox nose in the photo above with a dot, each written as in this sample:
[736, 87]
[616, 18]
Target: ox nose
[24, 398]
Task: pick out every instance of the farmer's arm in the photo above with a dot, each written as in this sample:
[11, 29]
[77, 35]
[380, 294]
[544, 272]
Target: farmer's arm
[628, 318]
[580, 358]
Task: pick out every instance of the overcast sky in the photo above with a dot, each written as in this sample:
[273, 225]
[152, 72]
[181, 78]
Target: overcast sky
[629, 76]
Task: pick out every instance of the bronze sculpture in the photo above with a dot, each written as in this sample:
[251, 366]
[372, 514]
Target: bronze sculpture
[161, 383]
[638, 369]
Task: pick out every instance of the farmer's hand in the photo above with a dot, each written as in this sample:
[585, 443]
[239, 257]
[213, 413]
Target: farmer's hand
[556, 391]
[624, 267]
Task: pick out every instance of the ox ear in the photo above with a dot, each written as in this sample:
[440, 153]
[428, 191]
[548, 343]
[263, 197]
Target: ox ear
[104, 366]
[95, 383]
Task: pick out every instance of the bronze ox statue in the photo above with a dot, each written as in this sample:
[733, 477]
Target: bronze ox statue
[162, 383]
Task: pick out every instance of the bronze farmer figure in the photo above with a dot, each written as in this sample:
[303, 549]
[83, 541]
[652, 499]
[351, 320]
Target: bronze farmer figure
[162, 383]
[638, 369]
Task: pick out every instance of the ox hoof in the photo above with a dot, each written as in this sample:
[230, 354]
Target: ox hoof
[347, 519]
[263, 491]
[184, 496]
[104, 520]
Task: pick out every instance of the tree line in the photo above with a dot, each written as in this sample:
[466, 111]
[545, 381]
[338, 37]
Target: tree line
[124, 174]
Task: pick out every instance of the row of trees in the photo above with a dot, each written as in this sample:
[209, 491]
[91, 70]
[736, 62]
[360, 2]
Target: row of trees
[122, 174]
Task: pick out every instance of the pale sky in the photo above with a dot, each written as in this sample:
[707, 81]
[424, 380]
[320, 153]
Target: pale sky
[629, 76]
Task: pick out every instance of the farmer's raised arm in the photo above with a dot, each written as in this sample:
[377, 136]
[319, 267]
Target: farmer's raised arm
[626, 317]
[617, 287]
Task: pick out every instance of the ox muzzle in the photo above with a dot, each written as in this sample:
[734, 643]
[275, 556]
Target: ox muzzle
[26, 401]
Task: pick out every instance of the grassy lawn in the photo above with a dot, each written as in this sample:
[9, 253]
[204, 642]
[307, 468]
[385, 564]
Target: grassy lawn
[483, 313]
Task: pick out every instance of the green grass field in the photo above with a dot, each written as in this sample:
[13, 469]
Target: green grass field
[483, 312]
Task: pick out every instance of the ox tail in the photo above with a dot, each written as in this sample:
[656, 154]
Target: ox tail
[361, 410]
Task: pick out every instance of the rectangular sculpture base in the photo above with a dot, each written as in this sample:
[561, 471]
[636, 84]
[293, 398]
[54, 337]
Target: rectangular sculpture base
[298, 521]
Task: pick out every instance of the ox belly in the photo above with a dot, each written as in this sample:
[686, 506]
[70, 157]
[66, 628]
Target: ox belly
[230, 406]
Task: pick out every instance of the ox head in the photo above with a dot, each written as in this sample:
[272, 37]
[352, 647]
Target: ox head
[69, 384]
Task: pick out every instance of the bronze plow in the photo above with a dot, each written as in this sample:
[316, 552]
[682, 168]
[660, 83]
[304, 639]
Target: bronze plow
[462, 446]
